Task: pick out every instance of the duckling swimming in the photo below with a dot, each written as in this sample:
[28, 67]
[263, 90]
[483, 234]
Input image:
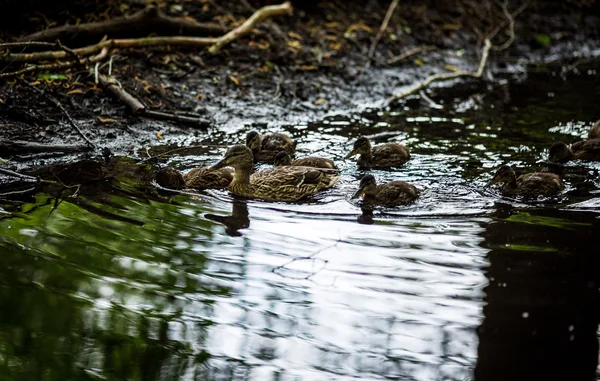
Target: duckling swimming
[276, 184]
[582, 150]
[528, 185]
[265, 148]
[283, 158]
[385, 155]
[169, 177]
[389, 194]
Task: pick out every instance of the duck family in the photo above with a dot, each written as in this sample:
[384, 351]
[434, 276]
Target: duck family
[296, 179]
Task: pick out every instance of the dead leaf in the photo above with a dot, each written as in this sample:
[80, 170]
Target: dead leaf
[75, 91]
[234, 80]
[159, 135]
[295, 35]
[451, 26]
[200, 96]
[106, 120]
[452, 68]
[34, 83]
[293, 44]
[307, 67]
[1, 100]
[320, 101]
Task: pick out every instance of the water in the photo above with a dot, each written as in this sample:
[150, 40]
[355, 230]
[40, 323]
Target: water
[461, 285]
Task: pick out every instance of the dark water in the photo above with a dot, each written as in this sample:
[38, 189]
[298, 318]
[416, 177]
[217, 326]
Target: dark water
[461, 285]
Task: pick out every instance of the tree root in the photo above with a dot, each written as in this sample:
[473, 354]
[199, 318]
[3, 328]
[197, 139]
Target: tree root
[148, 20]
[215, 43]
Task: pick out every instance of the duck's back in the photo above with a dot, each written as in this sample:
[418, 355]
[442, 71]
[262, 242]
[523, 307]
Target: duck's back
[538, 183]
[390, 154]
[277, 142]
[587, 149]
[290, 183]
[396, 193]
[202, 178]
[315, 162]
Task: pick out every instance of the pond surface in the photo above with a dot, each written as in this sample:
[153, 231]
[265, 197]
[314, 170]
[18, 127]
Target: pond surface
[461, 285]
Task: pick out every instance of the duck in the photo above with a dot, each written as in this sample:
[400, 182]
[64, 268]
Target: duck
[594, 132]
[583, 150]
[385, 155]
[203, 178]
[527, 185]
[393, 193]
[169, 177]
[265, 148]
[285, 183]
[284, 158]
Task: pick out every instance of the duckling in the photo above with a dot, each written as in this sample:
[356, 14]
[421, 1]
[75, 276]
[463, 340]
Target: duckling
[582, 150]
[169, 177]
[594, 132]
[276, 184]
[203, 178]
[389, 194]
[528, 185]
[265, 148]
[385, 155]
[283, 158]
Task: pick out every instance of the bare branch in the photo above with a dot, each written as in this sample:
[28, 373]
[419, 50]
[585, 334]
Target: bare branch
[382, 29]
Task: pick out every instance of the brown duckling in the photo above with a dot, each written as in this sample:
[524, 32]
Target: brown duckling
[594, 132]
[283, 158]
[582, 150]
[385, 155]
[528, 185]
[285, 183]
[203, 178]
[389, 194]
[169, 177]
[265, 148]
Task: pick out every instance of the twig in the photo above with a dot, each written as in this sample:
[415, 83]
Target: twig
[248, 25]
[19, 175]
[14, 147]
[509, 21]
[187, 120]
[215, 43]
[444, 76]
[118, 92]
[382, 29]
[410, 52]
[64, 111]
[26, 44]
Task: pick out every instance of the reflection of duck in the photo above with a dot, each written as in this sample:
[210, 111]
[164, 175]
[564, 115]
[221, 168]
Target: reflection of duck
[582, 150]
[265, 148]
[381, 156]
[530, 184]
[275, 184]
[388, 194]
[202, 178]
[238, 220]
[366, 217]
[283, 158]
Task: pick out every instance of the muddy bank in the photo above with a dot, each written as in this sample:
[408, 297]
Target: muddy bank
[290, 71]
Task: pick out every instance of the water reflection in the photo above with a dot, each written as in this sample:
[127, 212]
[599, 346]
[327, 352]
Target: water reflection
[541, 316]
[238, 220]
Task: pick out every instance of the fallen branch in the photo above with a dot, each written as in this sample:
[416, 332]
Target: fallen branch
[215, 43]
[8, 172]
[138, 108]
[445, 76]
[248, 25]
[410, 52]
[14, 147]
[149, 20]
[382, 29]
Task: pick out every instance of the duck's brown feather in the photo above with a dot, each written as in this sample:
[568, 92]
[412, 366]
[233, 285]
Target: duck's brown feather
[202, 178]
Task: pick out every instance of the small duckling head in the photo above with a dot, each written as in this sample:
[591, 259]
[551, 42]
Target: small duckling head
[238, 156]
[361, 146]
[253, 141]
[559, 153]
[504, 174]
[283, 158]
[368, 186]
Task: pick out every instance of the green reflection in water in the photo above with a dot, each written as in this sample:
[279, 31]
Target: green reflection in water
[528, 218]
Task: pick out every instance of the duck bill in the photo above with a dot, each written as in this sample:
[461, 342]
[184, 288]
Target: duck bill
[219, 165]
[352, 153]
[358, 193]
